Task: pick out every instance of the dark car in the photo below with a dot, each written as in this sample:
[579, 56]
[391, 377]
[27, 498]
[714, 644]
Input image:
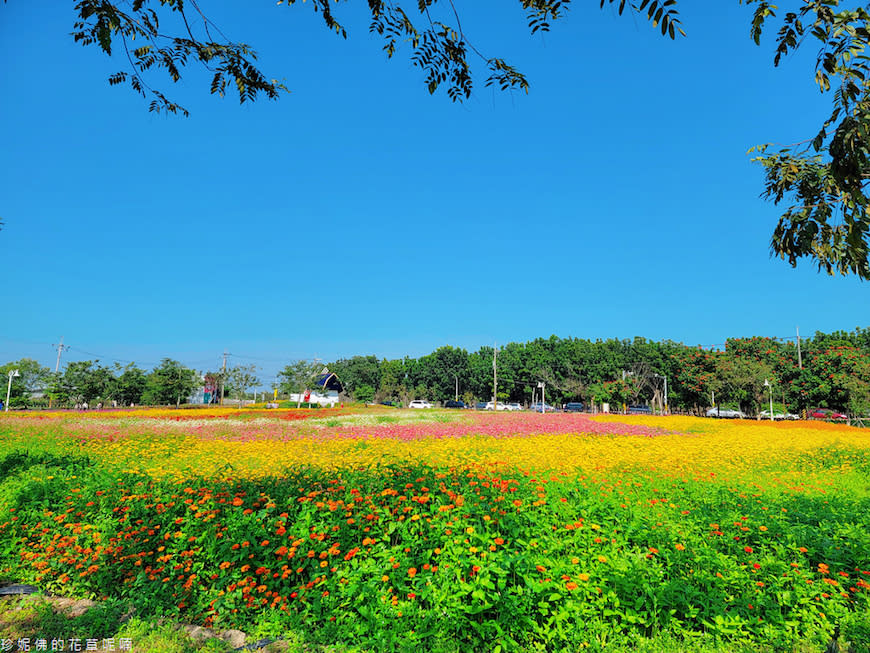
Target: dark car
[390, 403]
[640, 410]
[573, 407]
[454, 404]
[480, 405]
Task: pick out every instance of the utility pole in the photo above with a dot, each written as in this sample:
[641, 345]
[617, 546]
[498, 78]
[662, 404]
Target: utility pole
[456, 394]
[494, 378]
[60, 347]
[224, 376]
[800, 363]
[542, 386]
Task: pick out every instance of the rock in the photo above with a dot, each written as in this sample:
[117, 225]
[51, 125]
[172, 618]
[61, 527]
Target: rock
[198, 633]
[235, 638]
[73, 607]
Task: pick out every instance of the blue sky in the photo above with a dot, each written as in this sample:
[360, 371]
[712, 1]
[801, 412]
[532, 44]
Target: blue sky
[360, 215]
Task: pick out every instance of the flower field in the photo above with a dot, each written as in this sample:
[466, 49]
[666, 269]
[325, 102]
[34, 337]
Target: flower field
[430, 530]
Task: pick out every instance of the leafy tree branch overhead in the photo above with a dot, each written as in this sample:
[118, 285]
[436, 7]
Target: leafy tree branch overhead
[821, 183]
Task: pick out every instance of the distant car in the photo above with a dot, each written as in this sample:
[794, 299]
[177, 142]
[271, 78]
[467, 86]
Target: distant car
[419, 403]
[500, 406]
[726, 413]
[640, 410]
[390, 403]
[825, 413]
[481, 405]
[765, 414]
[513, 406]
[454, 404]
[542, 408]
[573, 407]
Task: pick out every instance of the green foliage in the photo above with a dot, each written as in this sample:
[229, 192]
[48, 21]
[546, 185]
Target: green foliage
[31, 377]
[170, 383]
[240, 378]
[298, 376]
[825, 177]
[455, 559]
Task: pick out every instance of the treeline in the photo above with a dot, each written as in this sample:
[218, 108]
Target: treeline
[833, 372]
[90, 383]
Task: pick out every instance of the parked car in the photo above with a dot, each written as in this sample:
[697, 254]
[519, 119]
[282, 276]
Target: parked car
[726, 412]
[419, 403]
[391, 403]
[825, 413]
[765, 414]
[640, 410]
[454, 403]
[573, 407]
[481, 405]
[537, 407]
[513, 406]
[500, 406]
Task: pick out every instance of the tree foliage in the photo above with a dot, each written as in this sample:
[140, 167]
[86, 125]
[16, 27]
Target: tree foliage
[835, 373]
[31, 378]
[824, 178]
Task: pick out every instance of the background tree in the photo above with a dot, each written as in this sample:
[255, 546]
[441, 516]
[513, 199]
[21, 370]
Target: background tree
[357, 371]
[86, 381]
[240, 378]
[131, 385]
[32, 377]
[298, 376]
[170, 382]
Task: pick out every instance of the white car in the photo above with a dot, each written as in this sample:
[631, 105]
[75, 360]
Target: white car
[500, 406]
[419, 403]
[513, 406]
[726, 412]
[765, 414]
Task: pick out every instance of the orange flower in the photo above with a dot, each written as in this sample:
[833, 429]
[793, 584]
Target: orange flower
[679, 547]
[571, 586]
[583, 577]
[575, 561]
[412, 572]
[499, 541]
[541, 568]
[748, 549]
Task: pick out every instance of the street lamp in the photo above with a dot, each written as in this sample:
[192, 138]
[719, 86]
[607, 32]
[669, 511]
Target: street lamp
[13, 374]
[770, 394]
[666, 390]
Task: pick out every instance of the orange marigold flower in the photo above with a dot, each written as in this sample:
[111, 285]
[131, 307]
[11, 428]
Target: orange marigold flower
[583, 577]
[541, 568]
[571, 586]
[748, 549]
[499, 541]
[679, 547]
[412, 572]
[575, 561]
[237, 501]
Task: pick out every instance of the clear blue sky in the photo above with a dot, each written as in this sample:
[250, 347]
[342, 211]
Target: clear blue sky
[360, 215]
